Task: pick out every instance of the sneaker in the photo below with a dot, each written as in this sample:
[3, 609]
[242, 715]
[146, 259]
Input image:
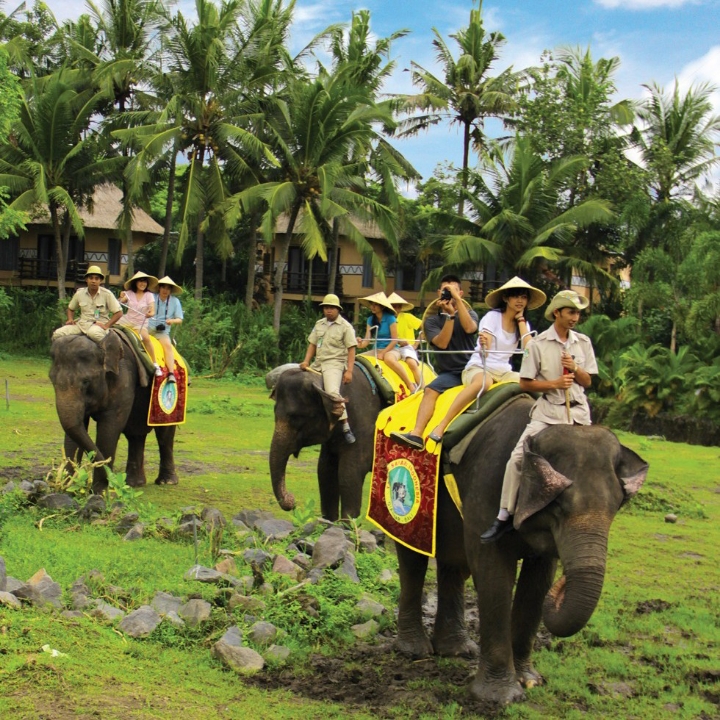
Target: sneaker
[413, 441]
[349, 436]
[158, 371]
[172, 378]
[497, 530]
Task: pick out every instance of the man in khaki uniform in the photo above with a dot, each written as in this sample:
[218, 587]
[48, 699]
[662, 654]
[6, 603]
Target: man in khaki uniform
[99, 309]
[332, 343]
[558, 363]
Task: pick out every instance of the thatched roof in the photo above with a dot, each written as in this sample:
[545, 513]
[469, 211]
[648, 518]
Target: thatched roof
[368, 229]
[107, 204]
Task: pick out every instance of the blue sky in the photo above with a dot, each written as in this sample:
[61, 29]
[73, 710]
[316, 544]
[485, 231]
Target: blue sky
[656, 40]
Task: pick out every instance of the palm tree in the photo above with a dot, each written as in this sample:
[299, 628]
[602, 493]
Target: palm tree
[319, 132]
[50, 158]
[468, 94]
[519, 220]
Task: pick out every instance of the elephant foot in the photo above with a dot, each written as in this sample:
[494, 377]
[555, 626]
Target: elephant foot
[462, 646]
[529, 677]
[166, 480]
[497, 692]
[135, 481]
[415, 645]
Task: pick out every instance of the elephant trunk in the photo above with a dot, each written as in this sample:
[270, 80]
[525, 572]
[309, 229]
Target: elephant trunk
[572, 600]
[71, 414]
[281, 448]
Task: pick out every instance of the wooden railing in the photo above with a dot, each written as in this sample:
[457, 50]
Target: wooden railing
[39, 269]
[298, 283]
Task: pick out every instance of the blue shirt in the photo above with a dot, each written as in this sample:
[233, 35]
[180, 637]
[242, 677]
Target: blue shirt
[164, 311]
[383, 334]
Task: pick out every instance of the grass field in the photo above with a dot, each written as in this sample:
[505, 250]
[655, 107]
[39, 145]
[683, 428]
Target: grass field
[651, 649]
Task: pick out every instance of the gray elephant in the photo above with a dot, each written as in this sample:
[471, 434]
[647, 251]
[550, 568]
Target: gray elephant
[306, 415]
[103, 382]
[575, 479]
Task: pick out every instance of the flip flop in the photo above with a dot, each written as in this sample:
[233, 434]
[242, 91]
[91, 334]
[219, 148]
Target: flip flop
[435, 437]
[413, 441]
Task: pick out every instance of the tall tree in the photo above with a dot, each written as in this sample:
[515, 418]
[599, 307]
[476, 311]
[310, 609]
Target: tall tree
[468, 94]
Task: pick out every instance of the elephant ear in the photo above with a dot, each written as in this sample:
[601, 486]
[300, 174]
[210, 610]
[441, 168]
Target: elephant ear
[631, 470]
[541, 484]
[112, 353]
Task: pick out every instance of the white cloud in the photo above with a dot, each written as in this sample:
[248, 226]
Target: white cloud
[643, 4]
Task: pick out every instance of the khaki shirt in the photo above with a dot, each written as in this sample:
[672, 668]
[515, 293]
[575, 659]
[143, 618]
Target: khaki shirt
[541, 361]
[94, 309]
[333, 340]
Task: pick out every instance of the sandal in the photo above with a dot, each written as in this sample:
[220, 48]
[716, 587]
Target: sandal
[435, 437]
[413, 441]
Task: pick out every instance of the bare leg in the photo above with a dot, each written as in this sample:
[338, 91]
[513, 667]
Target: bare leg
[415, 369]
[169, 354]
[147, 344]
[392, 360]
[425, 411]
[465, 396]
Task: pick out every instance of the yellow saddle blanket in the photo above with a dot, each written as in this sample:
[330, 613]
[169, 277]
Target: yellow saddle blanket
[400, 389]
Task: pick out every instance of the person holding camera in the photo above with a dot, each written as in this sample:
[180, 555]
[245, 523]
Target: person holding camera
[168, 312]
[452, 328]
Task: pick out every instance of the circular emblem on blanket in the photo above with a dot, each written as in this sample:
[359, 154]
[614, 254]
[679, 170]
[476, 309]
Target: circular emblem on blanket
[402, 490]
[168, 396]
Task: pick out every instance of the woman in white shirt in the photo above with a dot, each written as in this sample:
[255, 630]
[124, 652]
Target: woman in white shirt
[501, 332]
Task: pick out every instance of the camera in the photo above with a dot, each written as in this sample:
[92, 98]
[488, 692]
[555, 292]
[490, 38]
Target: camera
[160, 327]
[445, 294]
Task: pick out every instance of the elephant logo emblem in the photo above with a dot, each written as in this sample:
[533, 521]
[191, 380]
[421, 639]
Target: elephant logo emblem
[402, 491]
[168, 397]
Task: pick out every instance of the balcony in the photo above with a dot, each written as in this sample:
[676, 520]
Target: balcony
[298, 283]
[40, 269]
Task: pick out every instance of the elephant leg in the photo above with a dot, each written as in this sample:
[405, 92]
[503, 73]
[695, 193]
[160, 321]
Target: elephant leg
[494, 576]
[108, 434]
[328, 481]
[166, 444]
[135, 468]
[351, 475]
[411, 637]
[450, 637]
[535, 580]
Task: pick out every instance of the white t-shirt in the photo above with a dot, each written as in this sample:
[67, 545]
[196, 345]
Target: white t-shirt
[503, 341]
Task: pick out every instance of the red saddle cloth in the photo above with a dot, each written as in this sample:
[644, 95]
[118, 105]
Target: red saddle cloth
[168, 400]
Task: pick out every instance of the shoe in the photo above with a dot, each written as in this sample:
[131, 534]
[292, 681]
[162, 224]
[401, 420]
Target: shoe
[158, 371]
[349, 437]
[435, 437]
[172, 378]
[413, 441]
[497, 530]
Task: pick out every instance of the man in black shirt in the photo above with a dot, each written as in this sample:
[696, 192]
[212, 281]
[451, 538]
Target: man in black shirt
[454, 328]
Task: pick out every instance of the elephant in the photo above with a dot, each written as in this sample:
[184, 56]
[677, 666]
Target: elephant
[306, 415]
[103, 382]
[575, 479]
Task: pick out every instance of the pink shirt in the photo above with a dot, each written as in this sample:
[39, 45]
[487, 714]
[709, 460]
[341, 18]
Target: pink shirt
[136, 316]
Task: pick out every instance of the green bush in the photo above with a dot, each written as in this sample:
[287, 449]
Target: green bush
[17, 305]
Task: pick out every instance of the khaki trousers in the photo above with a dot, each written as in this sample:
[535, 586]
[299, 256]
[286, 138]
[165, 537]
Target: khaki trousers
[94, 332]
[332, 381]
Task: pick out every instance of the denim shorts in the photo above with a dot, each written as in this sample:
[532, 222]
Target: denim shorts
[445, 381]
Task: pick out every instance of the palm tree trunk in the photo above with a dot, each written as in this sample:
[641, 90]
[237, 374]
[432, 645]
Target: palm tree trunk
[250, 287]
[59, 256]
[200, 247]
[673, 338]
[466, 161]
[283, 248]
[168, 212]
[332, 256]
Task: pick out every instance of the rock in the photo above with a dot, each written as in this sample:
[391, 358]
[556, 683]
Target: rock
[116, 510]
[367, 541]
[263, 633]
[94, 506]
[303, 560]
[12, 584]
[41, 487]
[239, 524]
[57, 501]
[135, 532]
[671, 518]
[212, 516]
[3, 575]
[379, 536]
[245, 603]
[260, 557]
[277, 653]
[165, 525]
[71, 614]
[365, 630]
[330, 548]
[250, 517]
[274, 529]
[386, 576]
[174, 619]
[27, 488]
[246, 583]
[308, 529]
[9, 487]
[366, 606]
[232, 636]
[188, 514]
[140, 622]
[348, 569]
[283, 566]
[194, 612]
[227, 566]
[41, 590]
[165, 603]
[243, 660]
[189, 528]
[315, 575]
[305, 546]
[9, 600]
[126, 522]
[203, 574]
[107, 612]
[79, 601]
[266, 589]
